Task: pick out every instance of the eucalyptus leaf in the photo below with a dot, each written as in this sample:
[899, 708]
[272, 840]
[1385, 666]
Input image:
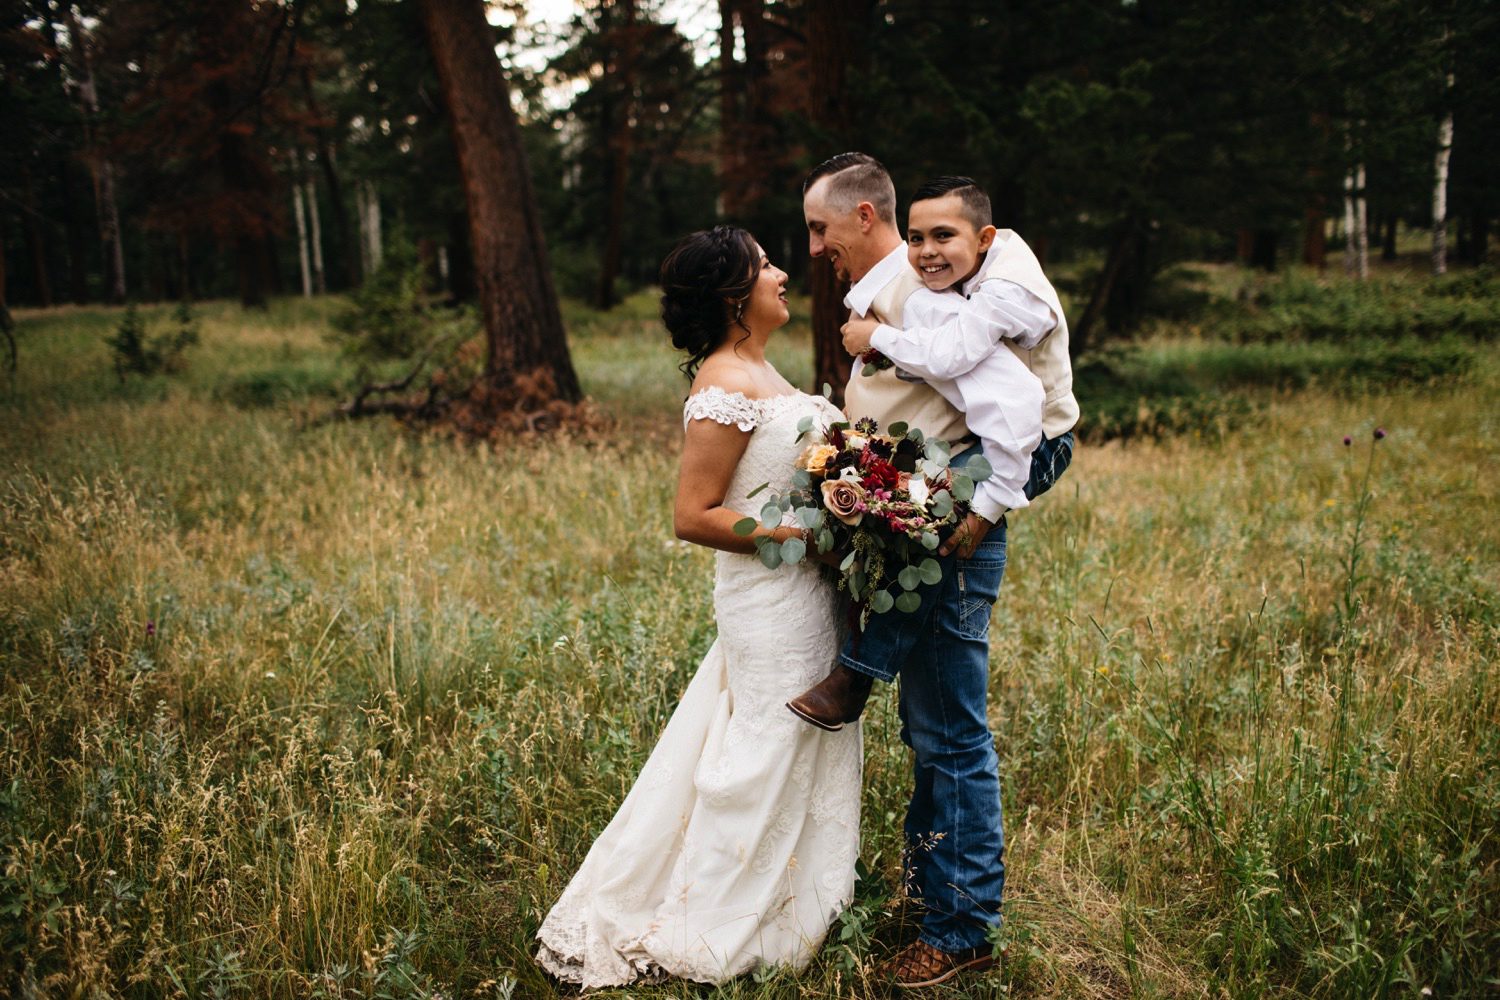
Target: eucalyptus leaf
[914, 435]
[848, 561]
[963, 488]
[825, 540]
[930, 570]
[809, 517]
[744, 526]
[757, 491]
[801, 479]
[881, 601]
[770, 555]
[929, 540]
[793, 550]
[827, 391]
[909, 578]
[804, 425]
[941, 504]
[908, 602]
[857, 583]
[937, 450]
[770, 514]
[978, 468]
[898, 429]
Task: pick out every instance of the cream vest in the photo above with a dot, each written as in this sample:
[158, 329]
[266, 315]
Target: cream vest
[1010, 259]
[887, 398]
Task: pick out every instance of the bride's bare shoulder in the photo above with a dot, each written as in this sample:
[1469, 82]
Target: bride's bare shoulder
[725, 375]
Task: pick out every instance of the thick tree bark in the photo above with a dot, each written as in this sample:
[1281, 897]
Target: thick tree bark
[320, 276]
[832, 29]
[522, 322]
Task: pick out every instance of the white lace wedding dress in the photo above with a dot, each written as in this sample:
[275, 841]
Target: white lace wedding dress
[736, 846]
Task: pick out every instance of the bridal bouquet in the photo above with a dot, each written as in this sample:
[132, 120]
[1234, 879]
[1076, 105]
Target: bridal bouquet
[883, 499]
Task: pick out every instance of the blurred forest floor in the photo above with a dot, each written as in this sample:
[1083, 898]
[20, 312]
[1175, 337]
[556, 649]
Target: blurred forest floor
[296, 709]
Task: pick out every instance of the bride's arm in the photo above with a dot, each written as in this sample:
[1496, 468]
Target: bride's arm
[710, 453]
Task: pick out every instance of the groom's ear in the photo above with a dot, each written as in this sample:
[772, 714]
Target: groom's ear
[867, 216]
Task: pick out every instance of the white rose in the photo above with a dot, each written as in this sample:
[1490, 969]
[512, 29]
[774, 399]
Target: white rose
[917, 487]
[850, 475]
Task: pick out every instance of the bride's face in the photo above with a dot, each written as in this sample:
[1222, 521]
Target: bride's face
[765, 309]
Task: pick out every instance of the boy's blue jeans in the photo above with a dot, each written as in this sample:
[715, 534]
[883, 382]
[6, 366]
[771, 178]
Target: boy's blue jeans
[953, 826]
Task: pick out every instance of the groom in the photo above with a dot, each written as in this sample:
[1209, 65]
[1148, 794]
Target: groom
[954, 839]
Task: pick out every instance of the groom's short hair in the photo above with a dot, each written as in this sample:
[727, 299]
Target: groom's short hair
[853, 178]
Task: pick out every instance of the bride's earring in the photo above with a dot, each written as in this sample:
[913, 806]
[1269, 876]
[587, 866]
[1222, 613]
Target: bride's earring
[739, 311]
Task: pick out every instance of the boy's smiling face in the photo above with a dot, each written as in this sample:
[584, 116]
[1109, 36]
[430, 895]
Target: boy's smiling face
[942, 243]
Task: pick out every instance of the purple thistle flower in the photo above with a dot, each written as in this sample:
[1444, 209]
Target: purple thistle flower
[151, 630]
[1379, 433]
[1348, 440]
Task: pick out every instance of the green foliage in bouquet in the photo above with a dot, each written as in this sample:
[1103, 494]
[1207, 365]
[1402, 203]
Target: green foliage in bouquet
[881, 501]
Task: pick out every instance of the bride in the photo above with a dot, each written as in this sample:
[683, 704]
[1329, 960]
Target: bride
[736, 847]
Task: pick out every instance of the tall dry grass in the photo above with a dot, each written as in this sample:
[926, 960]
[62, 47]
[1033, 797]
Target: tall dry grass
[335, 711]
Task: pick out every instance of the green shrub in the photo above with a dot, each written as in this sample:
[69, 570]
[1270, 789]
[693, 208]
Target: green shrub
[136, 353]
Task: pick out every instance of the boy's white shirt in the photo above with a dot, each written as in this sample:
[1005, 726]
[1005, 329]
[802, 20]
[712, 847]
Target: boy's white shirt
[952, 343]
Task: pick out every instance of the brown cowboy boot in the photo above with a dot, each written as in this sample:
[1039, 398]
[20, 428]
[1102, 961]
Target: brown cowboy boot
[835, 700]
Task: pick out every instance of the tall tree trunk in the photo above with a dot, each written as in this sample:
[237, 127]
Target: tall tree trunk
[370, 236]
[331, 178]
[1356, 221]
[1440, 192]
[7, 327]
[1314, 239]
[620, 74]
[100, 165]
[1388, 237]
[36, 243]
[833, 30]
[77, 231]
[522, 322]
[1079, 338]
[304, 254]
[320, 277]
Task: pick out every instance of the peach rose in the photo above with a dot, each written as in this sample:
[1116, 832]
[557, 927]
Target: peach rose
[815, 458]
[843, 499]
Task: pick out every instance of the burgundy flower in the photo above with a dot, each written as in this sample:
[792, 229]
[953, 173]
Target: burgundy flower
[1348, 440]
[151, 630]
[1379, 433]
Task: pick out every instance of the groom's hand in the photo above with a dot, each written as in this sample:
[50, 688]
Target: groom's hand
[966, 537]
[857, 334]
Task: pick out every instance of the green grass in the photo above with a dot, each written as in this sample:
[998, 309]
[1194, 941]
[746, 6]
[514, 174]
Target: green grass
[335, 710]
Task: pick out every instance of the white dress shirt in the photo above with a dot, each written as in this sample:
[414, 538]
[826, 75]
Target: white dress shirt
[865, 289]
[954, 343]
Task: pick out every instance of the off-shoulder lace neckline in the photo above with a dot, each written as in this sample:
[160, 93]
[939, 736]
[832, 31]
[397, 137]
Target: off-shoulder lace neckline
[712, 388]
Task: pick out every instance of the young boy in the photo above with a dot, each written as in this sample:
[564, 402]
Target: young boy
[951, 340]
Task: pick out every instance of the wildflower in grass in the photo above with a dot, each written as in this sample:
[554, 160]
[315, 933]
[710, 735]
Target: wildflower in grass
[1348, 440]
[1379, 433]
[150, 630]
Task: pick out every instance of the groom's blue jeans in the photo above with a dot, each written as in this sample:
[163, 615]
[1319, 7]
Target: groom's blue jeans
[955, 841]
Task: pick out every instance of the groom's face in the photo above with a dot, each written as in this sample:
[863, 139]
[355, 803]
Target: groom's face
[830, 233]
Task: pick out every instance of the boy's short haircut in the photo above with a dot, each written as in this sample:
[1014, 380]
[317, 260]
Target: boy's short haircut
[853, 178]
[976, 204]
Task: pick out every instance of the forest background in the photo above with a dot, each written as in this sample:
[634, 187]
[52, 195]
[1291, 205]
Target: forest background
[298, 704]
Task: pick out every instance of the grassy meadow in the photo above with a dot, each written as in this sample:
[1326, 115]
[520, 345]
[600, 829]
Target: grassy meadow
[303, 709]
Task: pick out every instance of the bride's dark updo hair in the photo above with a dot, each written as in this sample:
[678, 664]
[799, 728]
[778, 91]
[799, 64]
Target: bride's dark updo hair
[704, 283]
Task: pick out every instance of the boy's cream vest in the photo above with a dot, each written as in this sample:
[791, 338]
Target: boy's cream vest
[1010, 259]
[887, 398]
